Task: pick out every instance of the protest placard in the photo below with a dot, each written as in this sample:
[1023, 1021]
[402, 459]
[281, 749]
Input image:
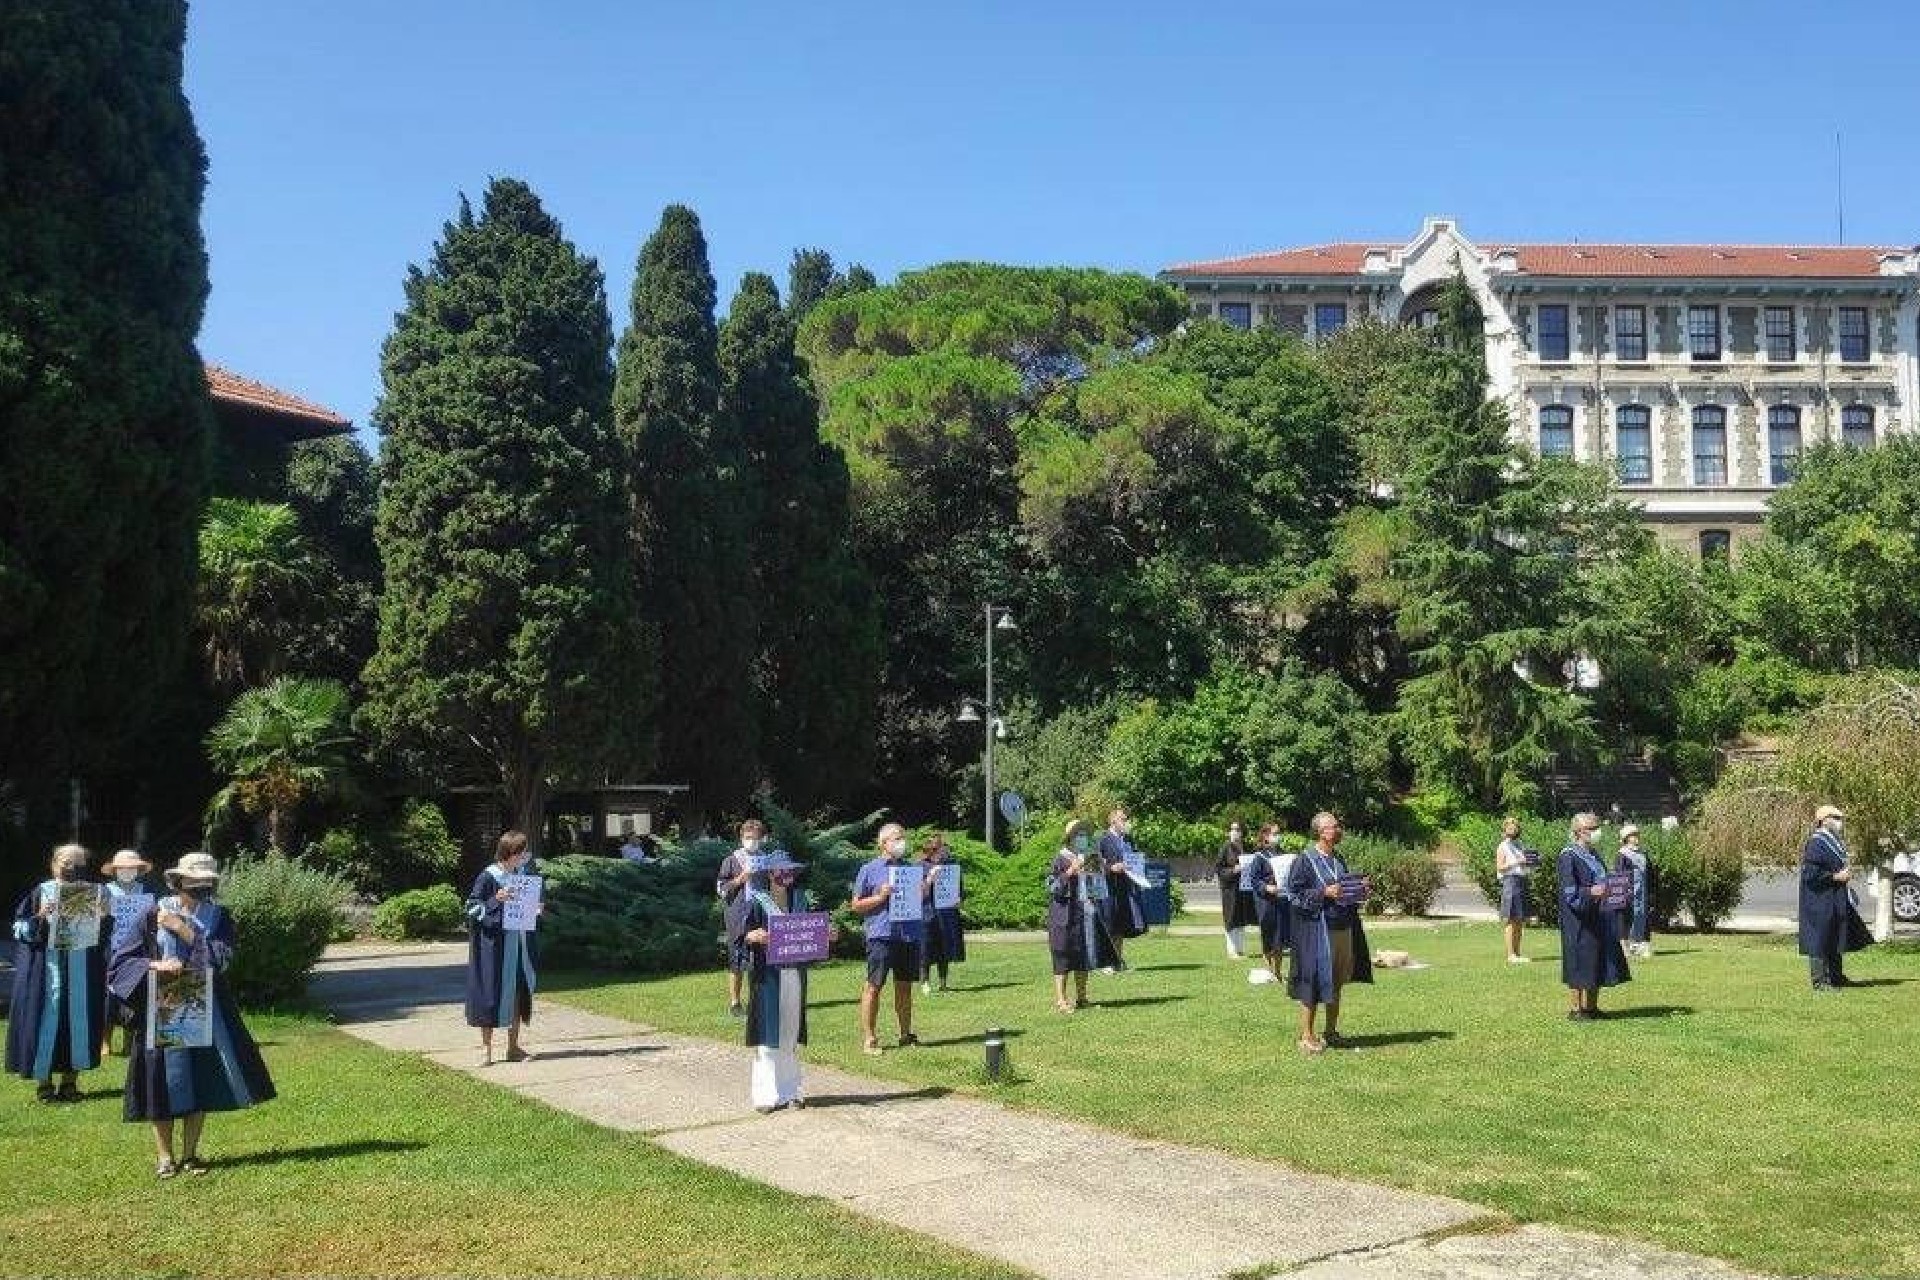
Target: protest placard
[906, 882]
[521, 911]
[180, 1009]
[75, 925]
[798, 937]
[946, 886]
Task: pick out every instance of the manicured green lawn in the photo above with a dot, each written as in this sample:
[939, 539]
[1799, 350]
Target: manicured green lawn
[379, 1164]
[1725, 1110]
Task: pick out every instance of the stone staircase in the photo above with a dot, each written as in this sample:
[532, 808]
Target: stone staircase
[1637, 788]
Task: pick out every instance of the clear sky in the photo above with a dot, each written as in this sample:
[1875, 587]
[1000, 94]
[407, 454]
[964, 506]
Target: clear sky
[1120, 134]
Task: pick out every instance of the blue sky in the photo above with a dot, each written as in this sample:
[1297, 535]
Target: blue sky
[1121, 135]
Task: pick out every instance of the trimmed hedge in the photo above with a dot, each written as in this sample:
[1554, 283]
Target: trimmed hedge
[285, 913]
[1405, 879]
[434, 912]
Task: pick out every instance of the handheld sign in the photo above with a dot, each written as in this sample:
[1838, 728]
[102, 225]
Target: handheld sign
[905, 902]
[521, 911]
[76, 916]
[1136, 867]
[180, 1009]
[127, 910]
[1619, 889]
[946, 886]
[1354, 890]
[1529, 857]
[1246, 872]
[799, 937]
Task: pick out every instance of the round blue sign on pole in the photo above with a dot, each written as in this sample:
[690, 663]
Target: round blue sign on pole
[1013, 808]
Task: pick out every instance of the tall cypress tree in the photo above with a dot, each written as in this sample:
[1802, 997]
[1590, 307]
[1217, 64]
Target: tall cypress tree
[819, 660]
[507, 626]
[104, 419]
[693, 520]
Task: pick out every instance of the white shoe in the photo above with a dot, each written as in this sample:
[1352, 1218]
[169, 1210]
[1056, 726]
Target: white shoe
[1106, 969]
[1519, 959]
[926, 988]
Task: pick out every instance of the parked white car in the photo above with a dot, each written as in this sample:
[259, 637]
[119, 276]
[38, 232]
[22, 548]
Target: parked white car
[1906, 887]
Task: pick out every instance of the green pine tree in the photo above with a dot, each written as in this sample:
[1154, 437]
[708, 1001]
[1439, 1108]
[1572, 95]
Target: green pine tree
[819, 627]
[694, 520]
[507, 636]
[104, 418]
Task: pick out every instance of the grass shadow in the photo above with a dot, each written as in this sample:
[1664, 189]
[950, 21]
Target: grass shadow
[831, 1004]
[1877, 982]
[1162, 968]
[817, 1100]
[313, 1155]
[1128, 1002]
[1647, 1011]
[1385, 1038]
[618, 1051]
[1008, 1032]
[980, 986]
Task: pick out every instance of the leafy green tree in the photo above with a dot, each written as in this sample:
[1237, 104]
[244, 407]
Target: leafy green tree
[332, 486]
[283, 745]
[104, 418]
[819, 642]
[695, 518]
[507, 638]
[255, 569]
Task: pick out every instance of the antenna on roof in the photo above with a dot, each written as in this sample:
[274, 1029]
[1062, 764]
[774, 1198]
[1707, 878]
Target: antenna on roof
[1839, 188]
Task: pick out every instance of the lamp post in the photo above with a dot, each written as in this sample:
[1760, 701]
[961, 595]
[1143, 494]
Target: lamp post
[998, 618]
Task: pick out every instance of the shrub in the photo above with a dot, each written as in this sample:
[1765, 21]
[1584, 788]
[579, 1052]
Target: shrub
[1405, 879]
[407, 849]
[285, 912]
[608, 913]
[1474, 839]
[420, 913]
[1708, 885]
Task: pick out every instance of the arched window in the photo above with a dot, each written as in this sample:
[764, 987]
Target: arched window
[1783, 442]
[1556, 431]
[1856, 426]
[1709, 444]
[1633, 443]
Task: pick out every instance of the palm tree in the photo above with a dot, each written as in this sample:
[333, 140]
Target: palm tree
[254, 565]
[282, 744]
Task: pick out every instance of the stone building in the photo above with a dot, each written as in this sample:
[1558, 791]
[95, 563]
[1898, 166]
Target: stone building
[1695, 373]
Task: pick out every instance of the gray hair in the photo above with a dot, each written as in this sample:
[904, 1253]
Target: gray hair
[1586, 822]
[1321, 821]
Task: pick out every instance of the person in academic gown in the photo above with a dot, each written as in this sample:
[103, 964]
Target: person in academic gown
[1590, 954]
[1329, 944]
[1126, 914]
[128, 871]
[500, 961]
[1829, 924]
[1636, 922]
[1274, 913]
[58, 1015]
[776, 994]
[1076, 926]
[730, 881]
[186, 929]
[945, 942]
[1237, 906]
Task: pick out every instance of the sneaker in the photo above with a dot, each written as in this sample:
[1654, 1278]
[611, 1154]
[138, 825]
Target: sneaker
[1519, 959]
[908, 1039]
[926, 988]
[1106, 969]
[45, 1091]
[193, 1167]
[66, 1093]
[165, 1169]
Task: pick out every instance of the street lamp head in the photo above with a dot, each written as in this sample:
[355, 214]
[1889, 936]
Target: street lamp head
[968, 714]
[1000, 728]
[1006, 622]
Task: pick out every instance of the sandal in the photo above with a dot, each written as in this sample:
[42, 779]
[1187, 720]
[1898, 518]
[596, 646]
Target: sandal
[165, 1169]
[1312, 1046]
[1061, 1006]
[872, 1049]
[192, 1166]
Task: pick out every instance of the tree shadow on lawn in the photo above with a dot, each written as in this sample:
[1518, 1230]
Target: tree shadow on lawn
[1163, 968]
[1647, 1011]
[957, 989]
[818, 1100]
[1386, 1038]
[311, 1155]
[1877, 982]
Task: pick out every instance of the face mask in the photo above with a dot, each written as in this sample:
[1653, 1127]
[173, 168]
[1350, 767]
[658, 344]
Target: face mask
[1081, 844]
[751, 844]
[897, 847]
[65, 872]
[126, 875]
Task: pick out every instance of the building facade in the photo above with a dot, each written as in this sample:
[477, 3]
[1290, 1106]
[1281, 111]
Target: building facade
[1695, 373]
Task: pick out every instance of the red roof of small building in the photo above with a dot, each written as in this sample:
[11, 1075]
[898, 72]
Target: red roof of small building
[1314, 260]
[245, 392]
[1606, 261]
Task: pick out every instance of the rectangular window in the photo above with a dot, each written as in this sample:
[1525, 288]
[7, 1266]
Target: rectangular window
[1703, 333]
[1781, 347]
[1853, 334]
[1709, 445]
[1633, 443]
[1553, 343]
[1556, 431]
[1237, 314]
[1329, 317]
[1716, 546]
[1630, 333]
[1856, 426]
[1783, 442]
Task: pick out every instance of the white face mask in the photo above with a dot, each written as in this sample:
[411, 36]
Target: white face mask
[751, 844]
[126, 875]
[897, 847]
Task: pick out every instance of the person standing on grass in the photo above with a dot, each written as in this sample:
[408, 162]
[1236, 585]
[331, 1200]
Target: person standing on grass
[777, 994]
[186, 929]
[1269, 877]
[1329, 944]
[893, 946]
[729, 883]
[128, 870]
[58, 1012]
[500, 977]
[1829, 924]
[946, 940]
[1632, 860]
[1237, 907]
[1510, 865]
[1076, 933]
[1590, 954]
[1126, 917]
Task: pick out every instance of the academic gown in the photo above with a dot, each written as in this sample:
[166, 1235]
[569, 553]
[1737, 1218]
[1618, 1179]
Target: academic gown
[1310, 980]
[59, 997]
[123, 927]
[1829, 923]
[500, 962]
[1274, 914]
[1634, 922]
[749, 911]
[1076, 928]
[1590, 952]
[1125, 914]
[1238, 907]
[944, 940]
[166, 1083]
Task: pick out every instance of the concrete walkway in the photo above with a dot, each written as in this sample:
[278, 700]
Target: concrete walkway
[1003, 1183]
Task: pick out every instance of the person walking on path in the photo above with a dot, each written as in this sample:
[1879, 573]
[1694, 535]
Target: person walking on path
[1510, 864]
[946, 939]
[1076, 932]
[1590, 954]
[1126, 917]
[1830, 926]
[58, 1012]
[1637, 922]
[1268, 876]
[729, 883]
[500, 977]
[1329, 944]
[186, 930]
[893, 946]
[776, 993]
[1237, 909]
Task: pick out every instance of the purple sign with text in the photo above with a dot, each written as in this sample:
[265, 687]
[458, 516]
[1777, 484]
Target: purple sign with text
[1354, 890]
[797, 938]
[1619, 889]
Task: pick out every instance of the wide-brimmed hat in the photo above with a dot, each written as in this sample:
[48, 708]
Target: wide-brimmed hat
[1629, 830]
[193, 871]
[1826, 811]
[129, 860]
[779, 860]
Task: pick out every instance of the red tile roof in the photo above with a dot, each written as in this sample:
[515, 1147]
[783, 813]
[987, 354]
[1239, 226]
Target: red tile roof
[234, 389]
[1315, 260]
[1679, 261]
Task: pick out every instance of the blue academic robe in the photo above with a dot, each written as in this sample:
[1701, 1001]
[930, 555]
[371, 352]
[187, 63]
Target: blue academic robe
[166, 1083]
[750, 909]
[1635, 922]
[1829, 924]
[945, 941]
[500, 962]
[1590, 952]
[59, 998]
[1274, 913]
[1125, 914]
[1310, 980]
[1076, 930]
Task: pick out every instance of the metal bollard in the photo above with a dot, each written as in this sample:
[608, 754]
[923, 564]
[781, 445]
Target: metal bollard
[996, 1046]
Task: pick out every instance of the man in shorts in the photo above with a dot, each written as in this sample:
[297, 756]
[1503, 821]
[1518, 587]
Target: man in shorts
[893, 946]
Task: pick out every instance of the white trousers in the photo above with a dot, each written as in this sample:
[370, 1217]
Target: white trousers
[776, 1071]
[1233, 943]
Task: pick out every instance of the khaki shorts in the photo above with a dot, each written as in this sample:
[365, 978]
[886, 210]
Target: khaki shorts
[1342, 940]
